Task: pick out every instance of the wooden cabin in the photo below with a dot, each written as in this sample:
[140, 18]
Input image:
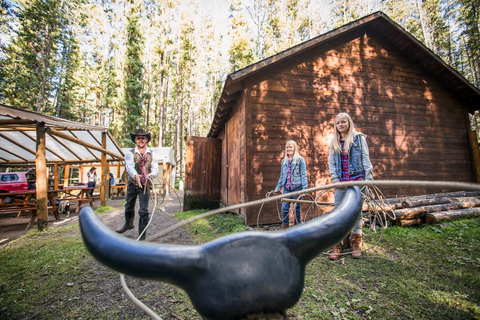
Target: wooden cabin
[412, 106]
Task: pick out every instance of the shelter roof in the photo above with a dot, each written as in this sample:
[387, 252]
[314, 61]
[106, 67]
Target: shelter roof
[67, 142]
[378, 24]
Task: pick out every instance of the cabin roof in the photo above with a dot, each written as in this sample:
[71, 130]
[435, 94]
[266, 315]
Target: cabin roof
[382, 27]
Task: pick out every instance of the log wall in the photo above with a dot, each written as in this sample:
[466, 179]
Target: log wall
[416, 129]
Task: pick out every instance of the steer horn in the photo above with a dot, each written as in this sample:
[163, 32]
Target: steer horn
[233, 276]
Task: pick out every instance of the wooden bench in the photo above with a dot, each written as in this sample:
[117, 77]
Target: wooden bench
[14, 208]
[19, 202]
[120, 189]
[19, 208]
[83, 196]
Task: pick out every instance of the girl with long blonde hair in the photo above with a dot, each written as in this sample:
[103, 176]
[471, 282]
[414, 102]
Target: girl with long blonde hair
[293, 177]
[349, 160]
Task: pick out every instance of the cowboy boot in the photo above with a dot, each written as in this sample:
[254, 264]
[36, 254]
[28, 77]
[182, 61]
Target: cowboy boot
[285, 226]
[356, 242]
[127, 226]
[142, 224]
[335, 254]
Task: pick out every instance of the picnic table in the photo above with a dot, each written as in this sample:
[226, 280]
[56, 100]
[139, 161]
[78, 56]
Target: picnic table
[26, 201]
[21, 201]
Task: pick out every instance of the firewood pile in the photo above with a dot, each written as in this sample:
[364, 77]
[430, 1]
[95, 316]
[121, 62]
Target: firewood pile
[430, 209]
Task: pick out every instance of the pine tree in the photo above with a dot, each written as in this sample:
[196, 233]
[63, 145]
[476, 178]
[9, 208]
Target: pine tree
[469, 18]
[240, 52]
[31, 58]
[133, 74]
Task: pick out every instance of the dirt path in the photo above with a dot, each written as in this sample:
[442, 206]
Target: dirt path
[160, 220]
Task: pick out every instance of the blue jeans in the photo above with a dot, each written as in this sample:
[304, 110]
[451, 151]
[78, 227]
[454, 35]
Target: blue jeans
[339, 194]
[91, 185]
[132, 193]
[286, 207]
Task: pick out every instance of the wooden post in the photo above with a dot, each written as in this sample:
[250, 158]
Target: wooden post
[66, 175]
[164, 172]
[105, 170]
[118, 169]
[169, 178]
[41, 175]
[475, 153]
[81, 172]
[55, 176]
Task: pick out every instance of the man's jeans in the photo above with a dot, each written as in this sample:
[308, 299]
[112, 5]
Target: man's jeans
[132, 193]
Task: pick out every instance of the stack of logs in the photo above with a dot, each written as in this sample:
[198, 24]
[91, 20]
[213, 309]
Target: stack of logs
[433, 208]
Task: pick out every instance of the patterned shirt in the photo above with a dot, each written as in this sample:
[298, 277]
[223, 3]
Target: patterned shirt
[290, 185]
[345, 173]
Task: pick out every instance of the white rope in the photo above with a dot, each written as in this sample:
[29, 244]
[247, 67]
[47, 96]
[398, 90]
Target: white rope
[132, 297]
[449, 185]
[378, 183]
[139, 303]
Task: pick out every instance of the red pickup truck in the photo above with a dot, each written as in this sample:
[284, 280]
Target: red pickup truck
[17, 181]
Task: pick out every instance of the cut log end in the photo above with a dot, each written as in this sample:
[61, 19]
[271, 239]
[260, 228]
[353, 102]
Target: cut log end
[408, 223]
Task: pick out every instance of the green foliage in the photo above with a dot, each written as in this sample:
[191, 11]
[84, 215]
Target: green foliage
[210, 228]
[428, 272]
[31, 57]
[103, 209]
[469, 17]
[240, 52]
[133, 117]
[162, 66]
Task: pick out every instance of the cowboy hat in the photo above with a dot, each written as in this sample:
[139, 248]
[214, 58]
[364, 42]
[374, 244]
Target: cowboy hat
[141, 132]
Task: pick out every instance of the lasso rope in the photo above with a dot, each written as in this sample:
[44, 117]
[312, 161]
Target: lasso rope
[373, 184]
[139, 303]
[377, 183]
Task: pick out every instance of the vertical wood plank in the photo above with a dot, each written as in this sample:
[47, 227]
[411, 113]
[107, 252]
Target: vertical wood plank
[202, 181]
[475, 152]
[105, 170]
[55, 176]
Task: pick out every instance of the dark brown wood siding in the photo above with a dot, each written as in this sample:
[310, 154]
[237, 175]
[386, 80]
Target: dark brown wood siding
[417, 130]
[202, 173]
[234, 141]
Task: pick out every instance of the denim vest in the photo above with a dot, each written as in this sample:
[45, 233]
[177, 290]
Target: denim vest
[298, 175]
[357, 163]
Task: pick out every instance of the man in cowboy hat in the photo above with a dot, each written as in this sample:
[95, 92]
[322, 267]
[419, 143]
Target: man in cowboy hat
[140, 163]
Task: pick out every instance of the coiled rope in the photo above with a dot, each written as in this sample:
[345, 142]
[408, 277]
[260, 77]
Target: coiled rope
[374, 184]
[377, 183]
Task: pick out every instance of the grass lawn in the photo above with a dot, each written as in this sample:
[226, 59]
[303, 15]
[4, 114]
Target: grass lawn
[427, 272]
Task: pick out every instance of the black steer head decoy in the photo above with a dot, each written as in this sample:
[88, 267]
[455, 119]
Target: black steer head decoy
[237, 275]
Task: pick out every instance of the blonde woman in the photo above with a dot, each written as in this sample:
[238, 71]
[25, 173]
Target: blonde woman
[293, 177]
[92, 179]
[349, 160]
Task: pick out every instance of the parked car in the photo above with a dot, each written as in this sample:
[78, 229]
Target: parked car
[17, 181]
